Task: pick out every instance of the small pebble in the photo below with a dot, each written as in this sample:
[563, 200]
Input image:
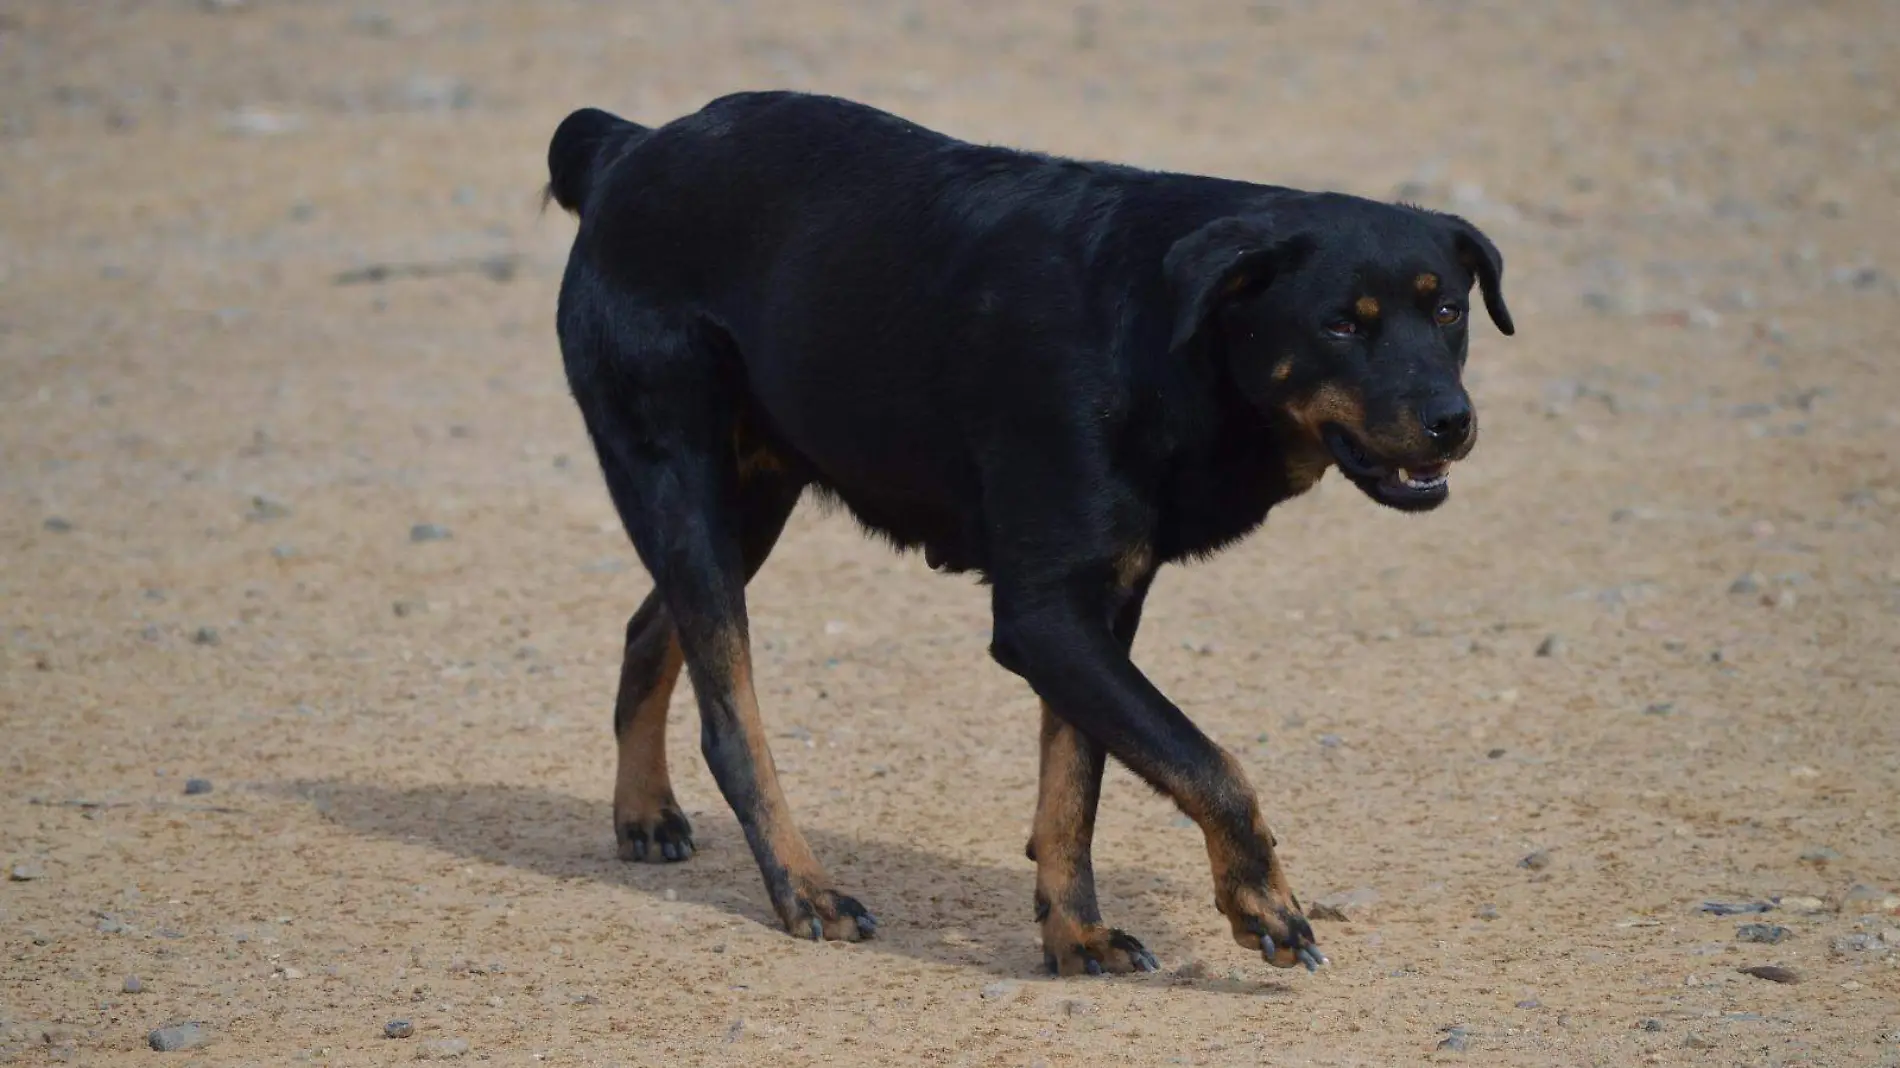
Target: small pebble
[1774, 973]
[26, 871]
[1487, 912]
[1660, 708]
[178, 1037]
[56, 524]
[1194, 969]
[1537, 861]
[197, 786]
[1860, 942]
[1747, 584]
[206, 636]
[1530, 1003]
[134, 985]
[1552, 645]
[1652, 1024]
[1695, 1041]
[1455, 1040]
[428, 532]
[1494, 753]
[398, 1029]
[1765, 933]
[1331, 741]
[1803, 906]
[1728, 908]
[264, 509]
[1002, 991]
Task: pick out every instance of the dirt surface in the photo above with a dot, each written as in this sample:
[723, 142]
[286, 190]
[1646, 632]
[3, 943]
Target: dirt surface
[219, 443]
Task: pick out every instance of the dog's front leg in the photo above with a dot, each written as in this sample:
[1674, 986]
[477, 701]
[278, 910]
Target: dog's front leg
[1058, 639]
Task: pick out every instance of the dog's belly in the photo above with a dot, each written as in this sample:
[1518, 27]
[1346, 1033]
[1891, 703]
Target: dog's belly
[900, 470]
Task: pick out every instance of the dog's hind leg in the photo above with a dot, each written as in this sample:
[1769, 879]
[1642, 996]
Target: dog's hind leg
[1074, 939]
[663, 422]
[648, 822]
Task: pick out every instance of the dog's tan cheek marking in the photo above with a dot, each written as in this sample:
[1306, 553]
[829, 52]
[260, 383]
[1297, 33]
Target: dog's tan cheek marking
[1330, 403]
[1367, 307]
[1283, 369]
[1426, 283]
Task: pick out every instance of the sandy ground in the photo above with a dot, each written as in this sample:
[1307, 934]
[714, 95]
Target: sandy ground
[216, 443]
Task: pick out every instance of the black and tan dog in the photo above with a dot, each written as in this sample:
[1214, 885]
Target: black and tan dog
[1060, 375]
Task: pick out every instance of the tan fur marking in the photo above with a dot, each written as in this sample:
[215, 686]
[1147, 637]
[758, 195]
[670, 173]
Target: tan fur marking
[1367, 307]
[1330, 403]
[1237, 860]
[775, 818]
[1305, 467]
[1072, 929]
[1133, 565]
[774, 814]
[1283, 369]
[642, 788]
[1426, 283]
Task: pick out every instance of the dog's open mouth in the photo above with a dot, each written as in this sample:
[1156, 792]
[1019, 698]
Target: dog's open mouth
[1414, 488]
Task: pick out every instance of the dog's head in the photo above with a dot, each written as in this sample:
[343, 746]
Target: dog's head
[1345, 323]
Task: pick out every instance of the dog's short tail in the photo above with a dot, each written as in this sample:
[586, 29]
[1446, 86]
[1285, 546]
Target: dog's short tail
[575, 154]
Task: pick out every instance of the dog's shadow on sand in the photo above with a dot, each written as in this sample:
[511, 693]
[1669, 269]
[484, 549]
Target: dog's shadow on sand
[931, 907]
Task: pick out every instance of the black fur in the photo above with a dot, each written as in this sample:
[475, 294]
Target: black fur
[1045, 371]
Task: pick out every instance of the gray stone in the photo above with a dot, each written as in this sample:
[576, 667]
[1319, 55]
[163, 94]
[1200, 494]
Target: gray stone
[26, 871]
[1765, 933]
[398, 1029]
[194, 787]
[1693, 1040]
[1456, 1040]
[1746, 584]
[1537, 861]
[56, 524]
[1552, 645]
[206, 636]
[176, 1037]
[1002, 991]
[1652, 1025]
[1861, 942]
[428, 532]
[134, 985]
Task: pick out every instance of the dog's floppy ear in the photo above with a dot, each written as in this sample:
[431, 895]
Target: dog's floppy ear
[1482, 258]
[1221, 259]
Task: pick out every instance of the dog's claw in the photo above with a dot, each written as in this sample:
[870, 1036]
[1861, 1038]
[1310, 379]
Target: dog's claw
[817, 930]
[1146, 962]
[1312, 958]
[1092, 966]
[867, 924]
[1267, 948]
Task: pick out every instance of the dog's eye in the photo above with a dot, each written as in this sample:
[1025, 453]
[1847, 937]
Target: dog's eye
[1342, 328]
[1448, 313]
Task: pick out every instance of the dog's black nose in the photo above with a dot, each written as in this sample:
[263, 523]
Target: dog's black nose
[1448, 420]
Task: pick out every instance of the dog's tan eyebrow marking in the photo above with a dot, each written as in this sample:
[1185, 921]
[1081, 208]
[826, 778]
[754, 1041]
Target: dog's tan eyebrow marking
[1282, 369]
[1367, 307]
[1426, 283]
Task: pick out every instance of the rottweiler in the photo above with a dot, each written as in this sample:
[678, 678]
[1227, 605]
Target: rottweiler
[1055, 374]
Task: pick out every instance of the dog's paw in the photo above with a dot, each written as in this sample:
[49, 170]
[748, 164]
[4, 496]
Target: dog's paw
[659, 838]
[1092, 949]
[1275, 928]
[828, 916]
